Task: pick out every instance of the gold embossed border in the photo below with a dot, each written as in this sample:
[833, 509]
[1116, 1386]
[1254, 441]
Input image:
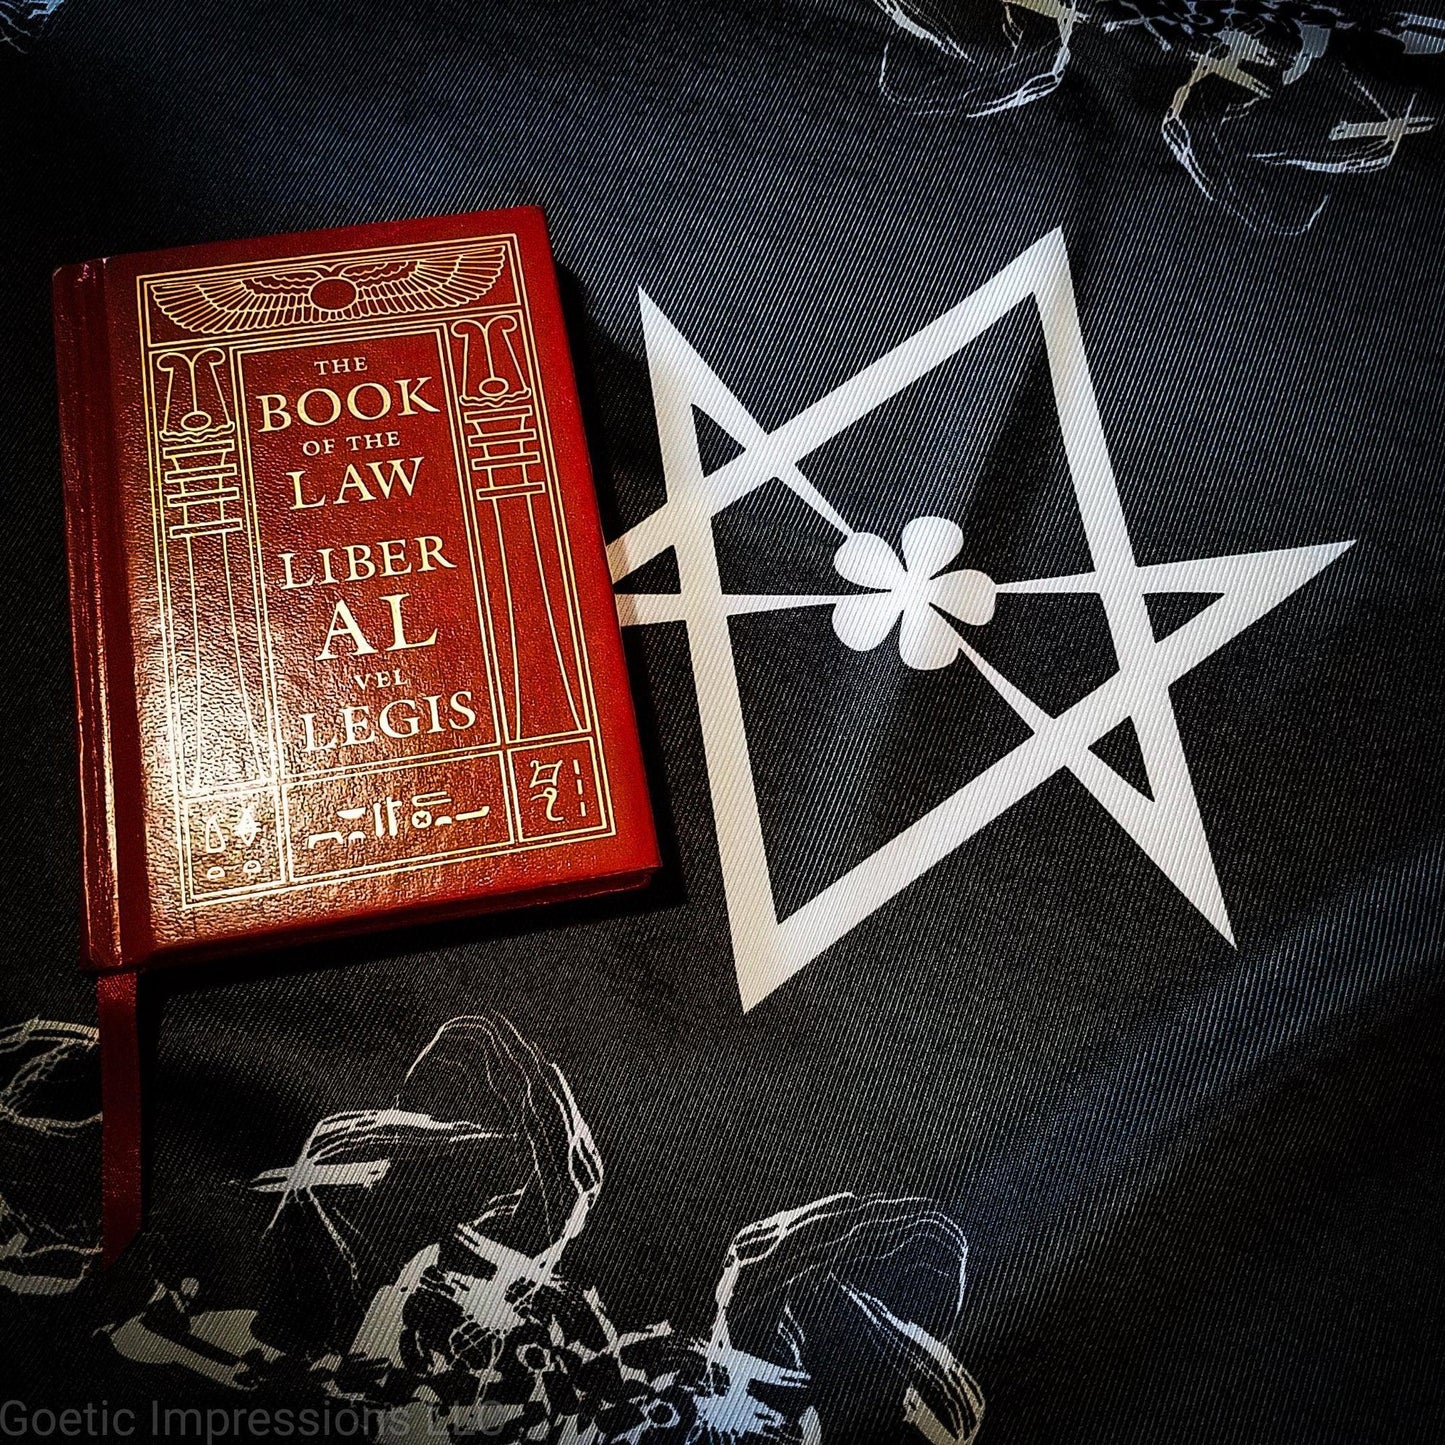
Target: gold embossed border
[233, 829]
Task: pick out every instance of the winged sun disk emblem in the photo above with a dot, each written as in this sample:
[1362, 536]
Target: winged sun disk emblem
[344, 291]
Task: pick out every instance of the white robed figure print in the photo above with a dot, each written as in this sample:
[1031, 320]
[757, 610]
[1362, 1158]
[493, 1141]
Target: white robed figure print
[49, 1133]
[485, 1332]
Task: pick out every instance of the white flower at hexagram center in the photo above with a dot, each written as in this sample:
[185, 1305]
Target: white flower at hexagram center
[915, 589]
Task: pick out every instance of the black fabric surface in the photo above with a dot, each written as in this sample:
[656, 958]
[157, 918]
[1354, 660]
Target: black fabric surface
[1201, 1184]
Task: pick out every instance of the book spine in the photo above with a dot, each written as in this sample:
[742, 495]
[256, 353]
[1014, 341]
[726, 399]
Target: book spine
[84, 390]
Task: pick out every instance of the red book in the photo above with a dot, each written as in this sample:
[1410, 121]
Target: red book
[346, 651]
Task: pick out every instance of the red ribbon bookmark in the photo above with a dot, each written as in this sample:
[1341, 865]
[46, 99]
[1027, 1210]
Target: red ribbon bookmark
[120, 1175]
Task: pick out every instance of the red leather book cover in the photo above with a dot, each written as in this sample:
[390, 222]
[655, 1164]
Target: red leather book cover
[346, 648]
